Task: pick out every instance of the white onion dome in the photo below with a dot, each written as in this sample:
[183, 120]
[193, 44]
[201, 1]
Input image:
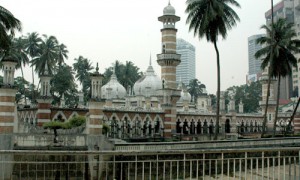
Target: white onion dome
[113, 89]
[148, 84]
[184, 95]
[169, 10]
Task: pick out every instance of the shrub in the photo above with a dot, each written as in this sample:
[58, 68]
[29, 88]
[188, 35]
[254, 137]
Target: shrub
[76, 121]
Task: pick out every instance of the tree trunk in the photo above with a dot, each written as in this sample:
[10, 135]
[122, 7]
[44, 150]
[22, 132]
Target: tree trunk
[23, 81]
[32, 91]
[266, 108]
[293, 115]
[218, 92]
[277, 105]
[269, 78]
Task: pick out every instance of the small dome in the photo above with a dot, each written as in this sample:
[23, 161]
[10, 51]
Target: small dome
[185, 96]
[169, 10]
[148, 84]
[113, 89]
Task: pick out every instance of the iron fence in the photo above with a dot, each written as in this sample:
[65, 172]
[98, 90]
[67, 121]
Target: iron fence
[263, 163]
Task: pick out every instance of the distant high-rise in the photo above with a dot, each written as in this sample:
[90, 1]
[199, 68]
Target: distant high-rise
[254, 64]
[186, 70]
[289, 10]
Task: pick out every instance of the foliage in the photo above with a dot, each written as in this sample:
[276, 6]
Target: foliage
[8, 25]
[55, 125]
[278, 54]
[195, 88]
[250, 95]
[127, 74]
[76, 121]
[211, 18]
[63, 83]
[22, 86]
[83, 67]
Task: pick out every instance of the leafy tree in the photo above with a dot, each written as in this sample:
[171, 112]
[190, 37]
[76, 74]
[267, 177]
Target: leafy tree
[250, 95]
[8, 25]
[48, 55]
[62, 54]
[63, 83]
[17, 51]
[21, 85]
[284, 46]
[32, 47]
[83, 67]
[127, 74]
[211, 18]
[195, 88]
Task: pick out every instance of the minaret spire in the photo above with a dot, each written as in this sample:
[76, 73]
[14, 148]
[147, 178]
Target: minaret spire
[150, 63]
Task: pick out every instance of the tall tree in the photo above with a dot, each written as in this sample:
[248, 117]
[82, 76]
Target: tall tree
[48, 55]
[83, 67]
[63, 83]
[32, 47]
[17, 50]
[62, 54]
[127, 74]
[8, 25]
[195, 88]
[211, 18]
[284, 46]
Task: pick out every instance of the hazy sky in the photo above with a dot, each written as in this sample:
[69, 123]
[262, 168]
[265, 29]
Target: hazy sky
[128, 30]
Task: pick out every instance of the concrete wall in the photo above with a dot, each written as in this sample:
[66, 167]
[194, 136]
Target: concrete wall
[6, 143]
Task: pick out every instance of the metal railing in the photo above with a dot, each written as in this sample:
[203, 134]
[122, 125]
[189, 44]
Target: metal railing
[279, 163]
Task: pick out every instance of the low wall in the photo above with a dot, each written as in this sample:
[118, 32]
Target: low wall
[245, 143]
[6, 143]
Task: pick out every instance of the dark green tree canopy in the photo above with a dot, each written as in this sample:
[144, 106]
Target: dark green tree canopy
[127, 74]
[8, 25]
[284, 48]
[211, 18]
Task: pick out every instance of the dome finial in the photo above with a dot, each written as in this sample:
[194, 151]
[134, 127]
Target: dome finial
[97, 68]
[169, 3]
[150, 60]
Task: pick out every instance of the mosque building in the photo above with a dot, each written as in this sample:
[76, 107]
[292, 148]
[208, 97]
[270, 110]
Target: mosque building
[155, 107]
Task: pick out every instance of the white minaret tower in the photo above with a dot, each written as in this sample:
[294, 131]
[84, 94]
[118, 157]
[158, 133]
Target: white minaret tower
[168, 59]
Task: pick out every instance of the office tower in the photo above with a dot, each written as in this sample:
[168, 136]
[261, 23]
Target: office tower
[289, 10]
[254, 64]
[186, 70]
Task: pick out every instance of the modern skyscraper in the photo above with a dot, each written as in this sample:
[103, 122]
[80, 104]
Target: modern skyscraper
[289, 10]
[254, 64]
[186, 70]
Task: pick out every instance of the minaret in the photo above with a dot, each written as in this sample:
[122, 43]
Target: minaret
[168, 60]
[44, 100]
[272, 102]
[96, 104]
[8, 111]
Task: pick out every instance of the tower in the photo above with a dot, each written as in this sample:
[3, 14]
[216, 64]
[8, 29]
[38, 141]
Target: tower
[186, 70]
[168, 60]
[8, 111]
[272, 102]
[96, 104]
[44, 100]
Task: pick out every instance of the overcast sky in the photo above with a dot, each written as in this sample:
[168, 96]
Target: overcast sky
[128, 30]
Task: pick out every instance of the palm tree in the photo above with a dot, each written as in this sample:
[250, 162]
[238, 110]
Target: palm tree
[62, 54]
[32, 46]
[283, 48]
[48, 55]
[195, 88]
[17, 51]
[211, 18]
[82, 67]
[8, 25]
